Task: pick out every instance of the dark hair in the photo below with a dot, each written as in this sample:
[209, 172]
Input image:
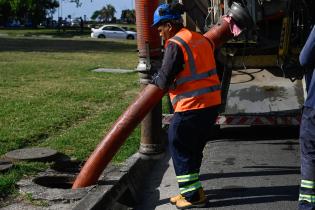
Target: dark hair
[177, 8]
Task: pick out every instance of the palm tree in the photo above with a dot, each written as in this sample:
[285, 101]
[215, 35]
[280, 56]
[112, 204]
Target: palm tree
[107, 13]
[131, 16]
[96, 15]
[111, 11]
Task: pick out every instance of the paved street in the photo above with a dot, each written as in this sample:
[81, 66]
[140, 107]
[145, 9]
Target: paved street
[244, 168]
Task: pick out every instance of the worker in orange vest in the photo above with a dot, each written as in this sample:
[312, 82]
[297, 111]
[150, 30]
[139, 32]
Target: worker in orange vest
[189, 74]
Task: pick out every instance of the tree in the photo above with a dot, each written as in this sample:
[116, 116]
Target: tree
[107, 13]
[77, 2]
[40, 8]
[4, 11]
[14, 4]
[26, 10]
[128, 16]
[96, 15]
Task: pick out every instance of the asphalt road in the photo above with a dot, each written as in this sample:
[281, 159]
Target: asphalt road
[244, 168]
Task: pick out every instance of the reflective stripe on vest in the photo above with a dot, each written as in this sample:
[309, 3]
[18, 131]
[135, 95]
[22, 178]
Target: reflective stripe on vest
[195, 77]
[191, 61]
[195, 93]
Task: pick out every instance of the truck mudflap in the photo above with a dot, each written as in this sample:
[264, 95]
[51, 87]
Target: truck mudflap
[284, 120]
[259, 120]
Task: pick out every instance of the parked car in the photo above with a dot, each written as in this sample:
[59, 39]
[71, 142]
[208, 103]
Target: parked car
[75, 22]
[14, 24]
[112, 31]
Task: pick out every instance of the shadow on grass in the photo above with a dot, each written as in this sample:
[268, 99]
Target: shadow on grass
[63, 45]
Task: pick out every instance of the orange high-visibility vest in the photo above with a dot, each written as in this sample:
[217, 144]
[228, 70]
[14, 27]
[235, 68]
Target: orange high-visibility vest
[198, 85]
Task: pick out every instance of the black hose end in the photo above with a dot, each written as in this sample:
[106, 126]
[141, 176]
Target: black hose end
[241, 16]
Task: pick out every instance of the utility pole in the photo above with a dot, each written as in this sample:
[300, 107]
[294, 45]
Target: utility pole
[61, 8]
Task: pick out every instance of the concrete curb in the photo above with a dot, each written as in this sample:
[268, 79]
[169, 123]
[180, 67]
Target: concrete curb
[120, 188]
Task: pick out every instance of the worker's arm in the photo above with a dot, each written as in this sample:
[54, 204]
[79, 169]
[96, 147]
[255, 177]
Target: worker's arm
[307, 56]
[173, 63]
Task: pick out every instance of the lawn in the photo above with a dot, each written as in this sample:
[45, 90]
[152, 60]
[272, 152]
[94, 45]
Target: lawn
[50, 97]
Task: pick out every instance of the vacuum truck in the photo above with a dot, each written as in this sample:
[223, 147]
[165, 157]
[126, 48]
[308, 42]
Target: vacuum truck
[262, 80]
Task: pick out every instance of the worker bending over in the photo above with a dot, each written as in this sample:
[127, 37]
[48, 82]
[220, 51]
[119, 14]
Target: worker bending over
[189, 74]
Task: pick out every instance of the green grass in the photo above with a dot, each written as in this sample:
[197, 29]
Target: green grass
[50, 97]
[9, 179]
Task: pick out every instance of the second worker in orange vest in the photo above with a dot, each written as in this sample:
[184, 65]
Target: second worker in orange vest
[189, 74]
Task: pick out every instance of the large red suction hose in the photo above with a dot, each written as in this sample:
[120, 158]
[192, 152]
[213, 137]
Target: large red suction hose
[220, 33]
[122, 128]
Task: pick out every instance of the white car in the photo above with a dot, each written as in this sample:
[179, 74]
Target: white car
[112, 31]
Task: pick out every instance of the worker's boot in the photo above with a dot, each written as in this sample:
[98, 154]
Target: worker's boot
[175, 198]
[200, 202]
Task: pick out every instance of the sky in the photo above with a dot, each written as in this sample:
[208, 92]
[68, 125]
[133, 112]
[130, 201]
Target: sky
[89, 6]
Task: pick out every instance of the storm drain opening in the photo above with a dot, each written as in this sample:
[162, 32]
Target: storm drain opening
[61, 182]
[67, 166]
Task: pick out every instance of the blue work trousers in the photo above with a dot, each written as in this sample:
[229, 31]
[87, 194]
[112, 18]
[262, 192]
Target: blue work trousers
[188, 133]
[307, 146]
